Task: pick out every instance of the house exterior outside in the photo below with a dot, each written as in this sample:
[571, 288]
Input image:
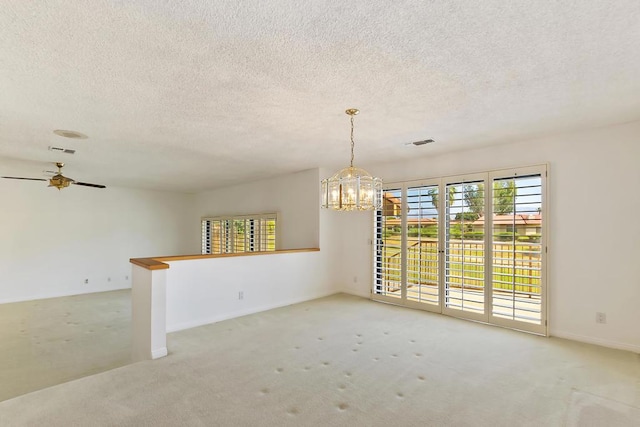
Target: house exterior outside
[520, 224]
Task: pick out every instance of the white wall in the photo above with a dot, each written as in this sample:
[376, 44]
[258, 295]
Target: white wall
[207, 290]
[354, 239]
[204, 291]
[294, 197]
[51, 241]
[593, 226]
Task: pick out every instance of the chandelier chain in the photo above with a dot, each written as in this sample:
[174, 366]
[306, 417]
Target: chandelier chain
[352, 143]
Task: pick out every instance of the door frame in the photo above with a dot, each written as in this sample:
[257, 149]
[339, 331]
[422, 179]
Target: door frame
[487, 316]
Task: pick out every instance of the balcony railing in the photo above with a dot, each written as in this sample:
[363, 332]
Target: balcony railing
[516, 266]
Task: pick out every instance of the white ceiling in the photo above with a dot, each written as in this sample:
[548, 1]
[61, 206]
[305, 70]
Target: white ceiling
[196, 94]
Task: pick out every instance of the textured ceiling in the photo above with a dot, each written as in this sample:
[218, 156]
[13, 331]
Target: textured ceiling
[199, 94]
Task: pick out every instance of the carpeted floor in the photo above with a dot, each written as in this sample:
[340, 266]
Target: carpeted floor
[345, 360]
[51, 341]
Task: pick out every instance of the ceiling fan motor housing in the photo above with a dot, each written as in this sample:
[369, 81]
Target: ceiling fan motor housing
[59, 181]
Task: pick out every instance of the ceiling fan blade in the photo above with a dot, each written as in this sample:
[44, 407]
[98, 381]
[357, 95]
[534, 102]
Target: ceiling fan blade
[29, 179]
[86, 184]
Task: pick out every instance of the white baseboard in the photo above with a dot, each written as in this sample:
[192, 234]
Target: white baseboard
[358, 293]
[59, 295]
[219, 318]
[597, 341]
[159, 352]
[559, 334]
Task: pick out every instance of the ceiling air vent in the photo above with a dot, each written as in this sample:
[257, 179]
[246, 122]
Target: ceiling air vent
[423, 142]
[62, 150]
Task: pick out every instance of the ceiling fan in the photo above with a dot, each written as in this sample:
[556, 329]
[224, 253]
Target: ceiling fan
[58, 180]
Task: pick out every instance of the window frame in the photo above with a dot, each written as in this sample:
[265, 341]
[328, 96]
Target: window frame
[253, 237]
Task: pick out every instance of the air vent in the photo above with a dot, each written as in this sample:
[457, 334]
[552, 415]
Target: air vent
[62, 150]
[423, 142]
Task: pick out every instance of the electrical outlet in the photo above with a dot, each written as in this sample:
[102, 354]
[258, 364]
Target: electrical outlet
[86, 281]
[108, 279]
[240, 295]
[126, 277]
[601, 317]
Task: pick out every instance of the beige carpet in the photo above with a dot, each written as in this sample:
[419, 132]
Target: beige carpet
[586, 409]
[344, 360]
[51, 341]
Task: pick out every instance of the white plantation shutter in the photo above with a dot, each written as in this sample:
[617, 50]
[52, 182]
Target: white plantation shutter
[422, 244]
[517, 250]
[471, 246]
[388, 236]
[206, 236]
[464, 252]
[239, 233]
[266, 234]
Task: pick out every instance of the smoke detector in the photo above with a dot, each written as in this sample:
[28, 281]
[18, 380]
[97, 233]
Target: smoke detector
[70, 134]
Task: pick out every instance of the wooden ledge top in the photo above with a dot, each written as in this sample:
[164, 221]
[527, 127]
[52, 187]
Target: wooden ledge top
[149, 263]
[159, 263]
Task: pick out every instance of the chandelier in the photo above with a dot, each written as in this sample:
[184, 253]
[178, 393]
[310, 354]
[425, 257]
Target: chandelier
[352, 189]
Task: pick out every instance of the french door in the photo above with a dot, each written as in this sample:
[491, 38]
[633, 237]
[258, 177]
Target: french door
[464, 248]
[467, 246]
[407, 261]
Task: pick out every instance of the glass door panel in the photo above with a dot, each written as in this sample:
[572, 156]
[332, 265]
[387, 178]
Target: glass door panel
[422, 244]
[465, 249]
[388, 256]
[517, 249]
[469, 246]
